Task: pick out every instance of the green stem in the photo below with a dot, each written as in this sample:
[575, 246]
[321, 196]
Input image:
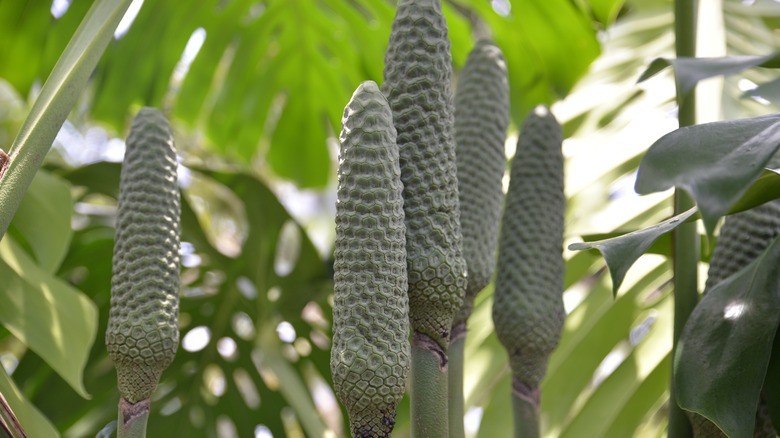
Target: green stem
[455, 354]
[132, 419]
[428, 388]
[686, 238]
[525, 408]
[58, 95]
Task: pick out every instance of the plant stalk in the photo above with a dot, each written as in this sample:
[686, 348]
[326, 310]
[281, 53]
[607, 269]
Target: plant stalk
[685, 238]
[428, 391]
[525, 409]
[132, 419]
[456, 356]
[58, 95]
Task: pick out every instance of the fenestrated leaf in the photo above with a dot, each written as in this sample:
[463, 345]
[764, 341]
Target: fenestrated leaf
[555, 34]
[724, 350]
[43, 220]
[235, 299]
[33, 422]
[54, 320]
[689, 71]
[621, 252]
[714, 162]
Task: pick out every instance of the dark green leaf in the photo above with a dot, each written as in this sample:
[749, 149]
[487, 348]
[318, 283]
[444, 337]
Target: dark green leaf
[772, 384]
[714, 162]
[689, 71]
[56, 321]
[621, 252]
[725, 347]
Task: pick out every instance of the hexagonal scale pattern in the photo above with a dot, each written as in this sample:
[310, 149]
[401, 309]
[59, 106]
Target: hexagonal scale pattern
[142, 334]
[481, 120]
[528, 300]
[418, 71]
[370, 357]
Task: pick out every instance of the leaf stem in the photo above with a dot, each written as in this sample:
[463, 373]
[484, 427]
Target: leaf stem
[132, 419]
[58, 95]
[685, 238]
[428, 388]
[525, 408]
[456, 357]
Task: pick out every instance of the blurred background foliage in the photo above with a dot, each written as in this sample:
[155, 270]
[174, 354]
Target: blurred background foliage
[255, 91]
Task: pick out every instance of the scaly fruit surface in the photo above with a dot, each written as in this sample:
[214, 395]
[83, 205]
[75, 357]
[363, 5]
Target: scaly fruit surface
[142, 334]
[370, 355]
[528, 300]
[481, 120]
[418, 71]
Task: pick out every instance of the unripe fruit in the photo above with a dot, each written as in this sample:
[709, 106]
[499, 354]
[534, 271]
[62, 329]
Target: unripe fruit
[528, 300]
[370, 354]
[142, 334]
[418, 71]
[481, 120]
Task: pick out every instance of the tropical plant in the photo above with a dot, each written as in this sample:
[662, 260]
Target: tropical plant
[255, 92]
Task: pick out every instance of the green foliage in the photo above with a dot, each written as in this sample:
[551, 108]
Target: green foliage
[690, 71]
[252, 107]
[714, 162]
[725, 350]
[57, 97]
[49, 316]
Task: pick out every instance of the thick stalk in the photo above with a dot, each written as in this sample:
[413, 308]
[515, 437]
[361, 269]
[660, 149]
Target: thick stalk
[686, 238]
[132, 419]
[428, 388]
[455, 354]
[525, 408]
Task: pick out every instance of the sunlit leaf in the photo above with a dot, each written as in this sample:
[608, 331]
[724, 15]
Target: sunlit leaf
[56, 321]
[592, 332]
[771, 388]
[43, 220]
[714, 162]
[725, 348]
[621, 252]
[624, 383]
